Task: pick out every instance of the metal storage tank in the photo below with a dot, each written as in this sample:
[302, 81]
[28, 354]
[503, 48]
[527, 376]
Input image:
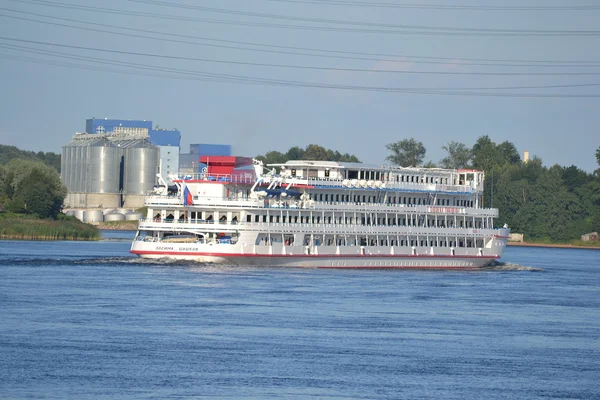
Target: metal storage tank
[114, 216]
[93, 216]
[134, 216]
[91, 165]
[141, 166]
[78, 214]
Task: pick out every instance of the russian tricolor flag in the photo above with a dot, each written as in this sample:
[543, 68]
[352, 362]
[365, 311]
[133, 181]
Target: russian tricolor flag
[187, 196]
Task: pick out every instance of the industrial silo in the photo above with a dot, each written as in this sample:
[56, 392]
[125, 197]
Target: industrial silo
[114, 216]
[141, 161]
[91, 164]
[134, 216]
[78, 214]
[103, 168]
[93, 216]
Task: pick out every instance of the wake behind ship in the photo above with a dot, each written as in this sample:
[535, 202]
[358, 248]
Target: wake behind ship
[322, 214]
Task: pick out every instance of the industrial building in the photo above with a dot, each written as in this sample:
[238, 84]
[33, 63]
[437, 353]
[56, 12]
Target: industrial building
[168, 141]
[101, 170]
[109, 169]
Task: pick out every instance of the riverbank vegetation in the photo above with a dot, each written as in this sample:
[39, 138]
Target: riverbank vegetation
[29, 227]
[31, 198]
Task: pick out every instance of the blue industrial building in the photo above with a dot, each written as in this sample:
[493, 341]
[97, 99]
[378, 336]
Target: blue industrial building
[158, 137]
[171, 159]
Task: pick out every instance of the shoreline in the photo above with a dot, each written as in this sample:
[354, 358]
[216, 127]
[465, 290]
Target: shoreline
[551, 245]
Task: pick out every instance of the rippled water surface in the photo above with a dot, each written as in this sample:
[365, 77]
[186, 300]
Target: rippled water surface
[87, 320]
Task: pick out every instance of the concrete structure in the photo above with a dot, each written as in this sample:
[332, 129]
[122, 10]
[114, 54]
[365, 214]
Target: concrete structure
[526, 156]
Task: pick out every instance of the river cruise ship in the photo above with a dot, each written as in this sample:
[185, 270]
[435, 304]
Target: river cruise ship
[322, 214]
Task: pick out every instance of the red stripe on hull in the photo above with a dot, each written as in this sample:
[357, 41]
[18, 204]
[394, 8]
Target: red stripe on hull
[192, 253]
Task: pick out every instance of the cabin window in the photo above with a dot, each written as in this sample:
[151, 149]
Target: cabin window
[293, 172]
[248, 218]
[264, 218]
[326, 173]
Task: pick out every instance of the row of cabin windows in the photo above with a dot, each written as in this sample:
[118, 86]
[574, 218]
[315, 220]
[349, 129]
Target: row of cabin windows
[441, 223]
[326, 197]
[384, 242]
[385, 176]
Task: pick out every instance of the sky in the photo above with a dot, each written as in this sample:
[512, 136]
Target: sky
[350, 75]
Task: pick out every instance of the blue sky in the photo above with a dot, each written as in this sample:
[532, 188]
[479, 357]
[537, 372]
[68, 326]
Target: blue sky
[49, 90]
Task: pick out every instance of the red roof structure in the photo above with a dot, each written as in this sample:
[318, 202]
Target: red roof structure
[224, 165]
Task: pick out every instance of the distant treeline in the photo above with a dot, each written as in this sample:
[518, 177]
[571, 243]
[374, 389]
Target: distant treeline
[310, 152]
[8, 153]
[553, 204]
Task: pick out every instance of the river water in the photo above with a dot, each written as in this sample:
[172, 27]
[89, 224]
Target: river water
[88, 321]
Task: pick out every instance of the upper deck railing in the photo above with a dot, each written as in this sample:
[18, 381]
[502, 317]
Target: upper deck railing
[313, 205]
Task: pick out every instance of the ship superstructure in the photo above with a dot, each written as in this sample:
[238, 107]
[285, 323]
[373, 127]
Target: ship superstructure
[323, 214]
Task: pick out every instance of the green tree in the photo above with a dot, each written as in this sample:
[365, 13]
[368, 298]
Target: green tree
[33, 188]
[316, 152]
[8, 153]
[311, 152]
[295, 153]
[459, 156]
[508, 153]
[272, 157]
[598, 155]
[485, 156]
[574, 177]
[406, 153]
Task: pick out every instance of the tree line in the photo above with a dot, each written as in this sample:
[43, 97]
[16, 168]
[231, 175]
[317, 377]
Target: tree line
[545, 203]
[8, 153]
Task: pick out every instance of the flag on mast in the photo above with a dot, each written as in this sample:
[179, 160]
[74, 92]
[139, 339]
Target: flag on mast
[187, 195]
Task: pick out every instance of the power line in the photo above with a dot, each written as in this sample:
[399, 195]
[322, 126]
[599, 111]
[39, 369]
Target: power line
[363, 56]
[171, 4]
[306, 67]
[366, 27]
[440, 6]
[288, 83]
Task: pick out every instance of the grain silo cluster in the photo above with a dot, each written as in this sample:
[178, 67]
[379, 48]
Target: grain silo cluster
[109, 170]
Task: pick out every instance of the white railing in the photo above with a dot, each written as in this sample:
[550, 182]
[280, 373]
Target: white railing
[149, 223]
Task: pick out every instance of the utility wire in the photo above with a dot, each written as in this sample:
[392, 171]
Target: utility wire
[357, 55]
[440, 6]
[247, 63]
[172, 4]
[288, 83]
[367, 27]
[311, 67]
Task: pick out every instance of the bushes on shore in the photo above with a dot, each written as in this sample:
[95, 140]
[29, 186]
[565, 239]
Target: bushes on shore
[22, 227]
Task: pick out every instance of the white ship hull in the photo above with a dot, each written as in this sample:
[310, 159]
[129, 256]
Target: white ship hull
[298, 258]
